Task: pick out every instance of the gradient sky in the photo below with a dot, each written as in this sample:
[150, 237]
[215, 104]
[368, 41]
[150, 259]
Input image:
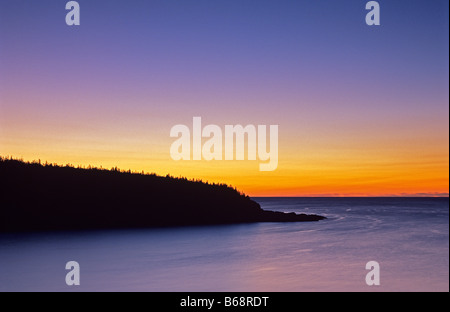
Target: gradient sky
[362, 111]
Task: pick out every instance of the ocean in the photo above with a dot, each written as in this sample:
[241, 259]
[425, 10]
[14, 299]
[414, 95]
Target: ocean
[407, 237]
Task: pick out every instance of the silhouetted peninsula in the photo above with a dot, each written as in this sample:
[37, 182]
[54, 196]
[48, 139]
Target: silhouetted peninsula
[38, 197]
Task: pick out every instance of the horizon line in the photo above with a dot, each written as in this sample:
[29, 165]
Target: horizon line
[334, 195]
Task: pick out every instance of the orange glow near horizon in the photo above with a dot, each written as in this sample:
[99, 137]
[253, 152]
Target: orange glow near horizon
[334, 172]
[326, 157]
[395, 159]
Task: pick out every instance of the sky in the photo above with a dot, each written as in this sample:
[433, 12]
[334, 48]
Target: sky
[362, 110]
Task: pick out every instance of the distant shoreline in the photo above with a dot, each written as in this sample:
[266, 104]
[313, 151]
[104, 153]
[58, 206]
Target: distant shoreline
[37, 197]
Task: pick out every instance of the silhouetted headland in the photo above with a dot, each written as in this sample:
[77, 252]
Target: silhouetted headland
[36, 197]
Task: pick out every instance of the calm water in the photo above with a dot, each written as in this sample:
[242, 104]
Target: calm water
[408, 237]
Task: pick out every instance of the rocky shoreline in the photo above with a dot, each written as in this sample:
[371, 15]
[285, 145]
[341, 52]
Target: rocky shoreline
[37, 197]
